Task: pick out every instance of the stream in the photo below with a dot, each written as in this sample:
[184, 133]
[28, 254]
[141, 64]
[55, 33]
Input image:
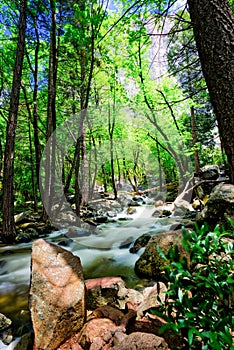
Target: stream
[105, 253]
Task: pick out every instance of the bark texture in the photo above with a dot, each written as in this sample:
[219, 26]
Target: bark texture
[213, 26]
[8, 225]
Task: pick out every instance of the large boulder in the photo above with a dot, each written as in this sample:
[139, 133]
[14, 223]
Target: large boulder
[209, 172]
[220, 205]
[151, 263]
[57, 295]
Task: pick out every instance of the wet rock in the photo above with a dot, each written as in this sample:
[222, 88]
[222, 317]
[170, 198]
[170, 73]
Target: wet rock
[166, 212]
[126, 244]
[27, 236]
[6, 336]
[219, 206]
[138, 199]
[142, 341]
[158, 213]
[57, 295]
[151, 264]
[74, 231]
[134, 203]
[101, 219]
[25, 342]
[5, 322]
[181, 207]
[65, 242]
[7, 252]
[131, 210]
[140, 242]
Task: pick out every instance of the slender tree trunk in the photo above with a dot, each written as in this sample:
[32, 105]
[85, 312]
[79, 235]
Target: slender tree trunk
[34, 117]
[8, 224]
[111, 126]
[1, 158]
[194, 140]
[213, 25]
[159, 166]
[104, 178]
[34, 188]
[51, 119]
[35, 108]
[32, 168]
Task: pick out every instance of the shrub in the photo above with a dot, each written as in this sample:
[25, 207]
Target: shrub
[200, 290]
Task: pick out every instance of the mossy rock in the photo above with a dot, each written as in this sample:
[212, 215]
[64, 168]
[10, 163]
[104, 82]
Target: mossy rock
[219, 207]
[151, 264]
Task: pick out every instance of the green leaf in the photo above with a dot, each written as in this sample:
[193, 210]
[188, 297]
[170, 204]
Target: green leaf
[190, 336]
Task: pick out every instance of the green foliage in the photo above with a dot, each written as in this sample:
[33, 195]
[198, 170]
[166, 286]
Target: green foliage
[198, 301]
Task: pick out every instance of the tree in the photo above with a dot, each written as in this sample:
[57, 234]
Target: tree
[197, 126]
[8, 224]
[51, 115]
[213, 24]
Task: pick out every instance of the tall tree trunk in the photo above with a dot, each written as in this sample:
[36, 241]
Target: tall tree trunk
[35, 107]
[213, 25]
[51, 119]
[1, 158]
[194, 140]
[34, 187]
[111, 126]
[8, 224]
[32, 168]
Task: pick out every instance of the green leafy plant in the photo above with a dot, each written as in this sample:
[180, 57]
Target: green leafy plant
[200, 290]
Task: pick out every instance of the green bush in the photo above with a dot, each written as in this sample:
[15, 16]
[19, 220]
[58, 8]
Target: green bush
[200, 291]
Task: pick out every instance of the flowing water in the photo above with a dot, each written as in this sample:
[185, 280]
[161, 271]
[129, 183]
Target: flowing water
[105, 253]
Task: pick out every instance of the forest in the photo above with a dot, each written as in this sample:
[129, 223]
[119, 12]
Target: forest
[110, 110]
[95, 93]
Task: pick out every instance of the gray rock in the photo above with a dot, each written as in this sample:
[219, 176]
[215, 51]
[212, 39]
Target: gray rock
[151, 264]
[5, 322]
[142, 341]
[140, 242]
[209, 172]
[219, 206]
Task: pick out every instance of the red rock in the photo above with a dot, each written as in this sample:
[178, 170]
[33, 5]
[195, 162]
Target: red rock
[57, 295]
[97, 334]
[102, 282]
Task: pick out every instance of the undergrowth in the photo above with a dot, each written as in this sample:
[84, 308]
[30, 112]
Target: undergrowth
[200, 294]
